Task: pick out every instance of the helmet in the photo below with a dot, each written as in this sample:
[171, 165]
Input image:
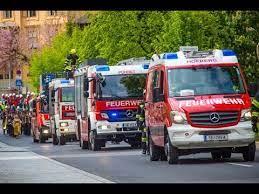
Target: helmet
[32, 93]
[16, 95]
[13, 94]
[20, 95]
[73, 51]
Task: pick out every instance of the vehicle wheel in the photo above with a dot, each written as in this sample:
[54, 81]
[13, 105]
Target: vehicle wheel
[226, 154]
[249, 153]
[35, 140]
[41, 139]
[216, 155]
[62, 140]
[84, 144]
[95, 146]
[55, 140]
[171, 151]
[163, 156]
[154, 152]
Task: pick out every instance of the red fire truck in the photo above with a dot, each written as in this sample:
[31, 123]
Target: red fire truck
[40, 120]
[106, 101]
[198, 102]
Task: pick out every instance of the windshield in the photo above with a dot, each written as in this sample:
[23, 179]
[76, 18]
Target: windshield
[68, 94]
[205, 81]
[122, 86]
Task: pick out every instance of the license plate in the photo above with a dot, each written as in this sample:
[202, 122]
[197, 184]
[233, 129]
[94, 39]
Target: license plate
[129, 124]
[215, 137]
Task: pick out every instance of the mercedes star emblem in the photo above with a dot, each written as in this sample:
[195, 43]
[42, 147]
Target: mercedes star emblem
[214, 117]
[129, 113]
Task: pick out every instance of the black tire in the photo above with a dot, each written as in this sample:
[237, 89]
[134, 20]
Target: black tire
[34, 139]
[249, 152]
[163, 156]
[95, 144]
[154, 151]
[84, 144]
[171, 152]
[226, 154]
[62, 140]
[41, 139]
[54, 139]
[216, 155]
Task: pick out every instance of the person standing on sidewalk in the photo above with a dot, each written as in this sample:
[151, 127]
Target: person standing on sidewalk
[255, 110]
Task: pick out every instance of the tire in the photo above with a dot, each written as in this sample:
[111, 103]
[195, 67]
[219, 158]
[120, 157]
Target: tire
[34, 139]
[84, 144]
[95, 145]
[154, 152]
[62, 140]
[226, 155]
[249, 153]
[171, 151]
[55, 140]
[163, 156]
[216, 155]
[41, 139]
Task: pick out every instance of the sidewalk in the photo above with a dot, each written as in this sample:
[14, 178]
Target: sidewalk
[19, 165]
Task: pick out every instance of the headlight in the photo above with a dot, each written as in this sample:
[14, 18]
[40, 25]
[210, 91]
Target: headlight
[104, 127]
[246, 115]
[178, 117]
[63, 124]
[45, 131]
[66, 129]
[104, 115]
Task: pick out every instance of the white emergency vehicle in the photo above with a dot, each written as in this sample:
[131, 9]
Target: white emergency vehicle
[62, 110]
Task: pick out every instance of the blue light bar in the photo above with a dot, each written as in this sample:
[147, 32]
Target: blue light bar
[228, 53]
[145, 66]
[114, 114]
[64, 81]
[170, 56]
[102, 68]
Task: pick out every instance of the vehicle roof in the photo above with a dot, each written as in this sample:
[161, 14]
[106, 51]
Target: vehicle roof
[61, 82]
[180, 58]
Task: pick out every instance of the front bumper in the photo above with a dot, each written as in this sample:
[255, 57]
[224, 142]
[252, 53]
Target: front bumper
[188, 137]
[105, 128]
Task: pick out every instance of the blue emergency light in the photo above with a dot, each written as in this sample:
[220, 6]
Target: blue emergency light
[145, 66]
[228, 53]
[102, 68]
[170, 56]
[114, 114]
[64, 81]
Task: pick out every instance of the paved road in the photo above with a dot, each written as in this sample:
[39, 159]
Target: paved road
[120, 163]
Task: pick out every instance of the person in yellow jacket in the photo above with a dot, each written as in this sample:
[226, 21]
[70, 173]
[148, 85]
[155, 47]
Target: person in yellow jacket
[17, 123]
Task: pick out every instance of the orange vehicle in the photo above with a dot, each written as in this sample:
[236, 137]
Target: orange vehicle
[40, 120]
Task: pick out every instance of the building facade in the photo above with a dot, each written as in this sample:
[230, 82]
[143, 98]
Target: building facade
[36, 28]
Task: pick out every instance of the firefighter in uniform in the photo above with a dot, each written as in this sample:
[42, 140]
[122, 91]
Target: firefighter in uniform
[140, 117]
[255, 111]
[71, 63]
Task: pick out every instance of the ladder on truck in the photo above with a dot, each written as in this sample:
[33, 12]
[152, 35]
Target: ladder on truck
[134, 61]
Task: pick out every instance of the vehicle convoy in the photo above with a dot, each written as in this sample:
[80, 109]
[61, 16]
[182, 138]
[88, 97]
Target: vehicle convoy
[40, 123]
[62, 110]
[106, 101]
[198, 102]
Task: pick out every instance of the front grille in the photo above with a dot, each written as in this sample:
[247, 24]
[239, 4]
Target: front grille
[121, 115]
[205, 118]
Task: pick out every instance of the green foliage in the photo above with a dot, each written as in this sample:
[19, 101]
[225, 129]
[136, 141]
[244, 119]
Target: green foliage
[119, 35]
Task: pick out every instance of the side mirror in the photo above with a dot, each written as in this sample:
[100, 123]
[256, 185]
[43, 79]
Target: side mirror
[100, 78]
[86, 84]
[252, 89]
[157, 95]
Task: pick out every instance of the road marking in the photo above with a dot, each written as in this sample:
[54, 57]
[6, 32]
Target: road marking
[245, 165]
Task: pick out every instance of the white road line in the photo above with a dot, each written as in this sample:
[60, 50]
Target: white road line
[245, 165]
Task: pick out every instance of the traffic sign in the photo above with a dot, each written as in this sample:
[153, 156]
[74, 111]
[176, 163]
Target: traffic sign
[18, 82]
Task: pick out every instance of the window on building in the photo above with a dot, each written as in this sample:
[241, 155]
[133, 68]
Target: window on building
[1, 76]
[52, 13]
[7, 75]
[31, 14]
[32, 38]
[7, 14]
